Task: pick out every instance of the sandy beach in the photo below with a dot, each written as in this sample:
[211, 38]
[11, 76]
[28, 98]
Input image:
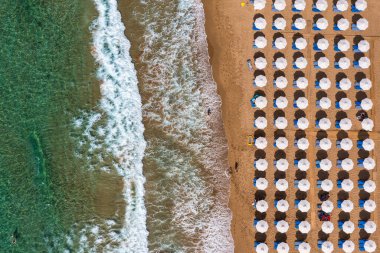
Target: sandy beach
[230, 37]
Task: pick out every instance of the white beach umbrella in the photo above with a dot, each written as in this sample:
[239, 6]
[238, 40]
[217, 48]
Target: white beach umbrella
[369, 186]
[300, 5]
[367, 124]
[259, 4]
[261, 102]
[347, 164]
[368, 145]
[364, 62]
[345, 104]
[280, 23]
[348, 246]
[343, 45]
[322, 23]
[363, 46]
[282, 164]
[344, 63]
[281, 82]
[370, 246]
[260, 23]
[324, 123]
[303, 143]
[262, 248]
[283, 247]
[327, 227]
[262, 206]
[327, 206]
[327, 247]
[327, 185]
[261, 80]
[362, 24]
[366, 104]
[261, 42]
[282, 205]
[304, 184]
[304, 206]
[300, 23]
[301, 62]
[302, 103]
[325, 103]
[347, 206]
[281, 102]
[343, 24]
[282, 143]
[300, 43]
[262, 226]
[325, 164]
[342, 5]
[325, 144]
[260, 63]
[345, 84]
[261, 183]
[325, 83]
[280, 63]
[323, 62]
[361, 5]
[261, 164]
[303, 123]
[346, 144]
[369, 163]
[348, 227]
[303, 164]
[302, 82]
[279, 5]
[304, 247]
[261, 143]
[281, 122]
[323, 44]
[280, 43]
[321, 5]
[365, 84]
[261, 122]
[370, 227]
[369, 205]
[282, 185]
[282, 226]
[304, 227]
[345, 124]
[347, 185]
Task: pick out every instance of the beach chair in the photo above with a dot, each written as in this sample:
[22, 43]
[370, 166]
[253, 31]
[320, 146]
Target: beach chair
[296, 183]
[251, 140]
[339, 184]
[340, 243]
[297, 244]
[361, 224]
[297, 224]
[340, 224]
[296, 202]
[361, 203]
[320, 242]
[361, 184]
[319, 183]
[361, 244]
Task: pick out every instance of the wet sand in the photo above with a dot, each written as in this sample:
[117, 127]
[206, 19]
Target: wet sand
[228, 27]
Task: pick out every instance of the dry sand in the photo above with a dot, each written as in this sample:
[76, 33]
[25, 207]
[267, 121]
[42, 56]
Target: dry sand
[228, 27]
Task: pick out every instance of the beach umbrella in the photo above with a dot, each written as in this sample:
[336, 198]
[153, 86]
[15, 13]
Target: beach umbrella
[369, 163]
[342, 5]
[279, 23]
[300, 43]
[300, 23]
[261, 102]
[303, 123]
[370, 227]
[304, 247]
[327, 206]
[345, 84]
[303, 164]
[366, 104]
[365, 84]
[324, 124]
[303, 143]
[368, 145]
[261, 42]
[363, 46]
[281, 102]
[280, 63]
[259, 4]
[348, 246]
[369, 186]
[304, 206]
[323, 44]
[369, 205]
[300, 5]
[325, 83]
[346, 144]
[261, 143]
[345, 124]
[261, 164]
[282, 206]
[325, 164]
[364, 62]
[280, 43]
[321, 5]
[282, 247]
[347, 185]
[302, 82]
[344, 63]
[281, 82]
[347, 164]
[323, 62]
[282, 164]
[325, 144]
[348, 227]
[260, 23]
[345, 104]
[347, 206]
[325, 103]
[304, 184]
[262, 226]
[302, 103]
[343, 45]
[367, 124]
[343, 24]
[282, 226]
[261, 183]
[327, 227]
[370, 246]
[362, 24]
[361, 5]
[262, 206]
[260, 63]
[279, 5]
[322, 23]
[304, 227]
[301, 62]
[327, 185]
[262, 248]
[282, 143]
[281, 122]
[282, 185]
[261, 122]
[261, 80]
